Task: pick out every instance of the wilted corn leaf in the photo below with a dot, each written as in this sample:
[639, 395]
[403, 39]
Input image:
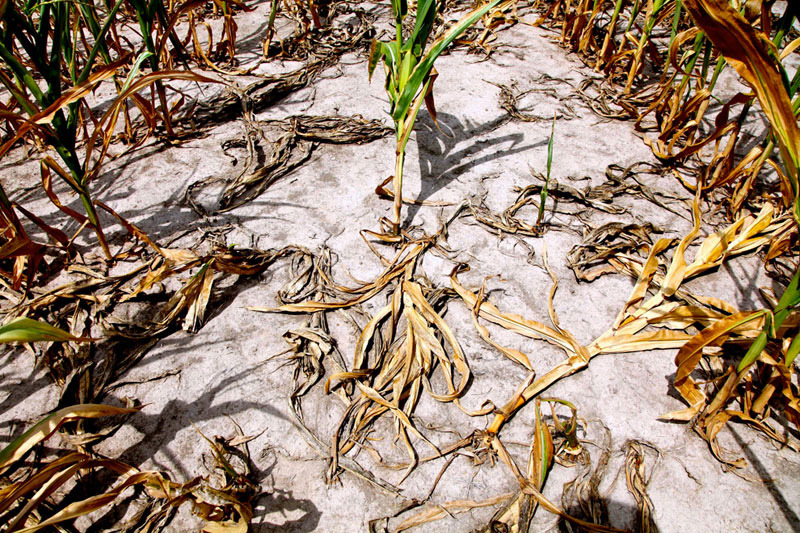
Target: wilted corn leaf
[517, 517]
[49, 425]
[588, 259]
[334, 129]
[443, 510]
[666, 308]
[286, 154]
[406, 258]
[197, 309]
[637, 479]
[105, 128]
[528, 488]
[753, 56]
[170, 262]
[93, 503]
[392, 365]
[689, 356]
[513, 322]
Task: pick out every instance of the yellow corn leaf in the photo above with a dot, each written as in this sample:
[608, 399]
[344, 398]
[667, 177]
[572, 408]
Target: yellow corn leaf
[414, 293]
[49, 425]
[228, 526]
[683, 316]
[643, 282]
[376, 397]
[737, 238]
[10, 493]
[677, 269]
[174, 261]
[712, 427]
[197, 309]
[690, 354]
[93, 503]
[651, 340]
[446, 509]
[511, 321]
[513, 354]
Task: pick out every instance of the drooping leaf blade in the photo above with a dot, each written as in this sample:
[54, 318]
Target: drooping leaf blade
[50, 424]
[28, 330]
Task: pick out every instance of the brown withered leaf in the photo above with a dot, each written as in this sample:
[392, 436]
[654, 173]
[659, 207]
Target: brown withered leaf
[637, 478]
[589, 258]
[333, 129]
[510, 97]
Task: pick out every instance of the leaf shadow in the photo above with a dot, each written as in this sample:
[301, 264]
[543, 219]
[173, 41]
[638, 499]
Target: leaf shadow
[444, 156]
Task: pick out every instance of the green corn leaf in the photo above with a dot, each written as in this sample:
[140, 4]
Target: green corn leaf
[550, 147]
[391, 56]
[793, 351]
[426, 14]
[543, 449]
[99, 43]
[424, 67]
[543, 194]
[27, 330]
[137, 66]
[407, 63]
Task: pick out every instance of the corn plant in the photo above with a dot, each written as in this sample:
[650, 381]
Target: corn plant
[146, 14]
[543, 194]
[749, 52]
[37, 41]
[410, 75]
[46, 41]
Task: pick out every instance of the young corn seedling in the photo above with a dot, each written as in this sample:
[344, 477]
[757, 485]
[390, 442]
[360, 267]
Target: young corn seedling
[410, 75]
[543, 194]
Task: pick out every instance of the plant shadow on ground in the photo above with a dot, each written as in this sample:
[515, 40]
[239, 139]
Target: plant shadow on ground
[278, 500]
[443, 156]
[608, 512]
[158, 430]
[16, 390]
[273, 500]
[777, 495]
